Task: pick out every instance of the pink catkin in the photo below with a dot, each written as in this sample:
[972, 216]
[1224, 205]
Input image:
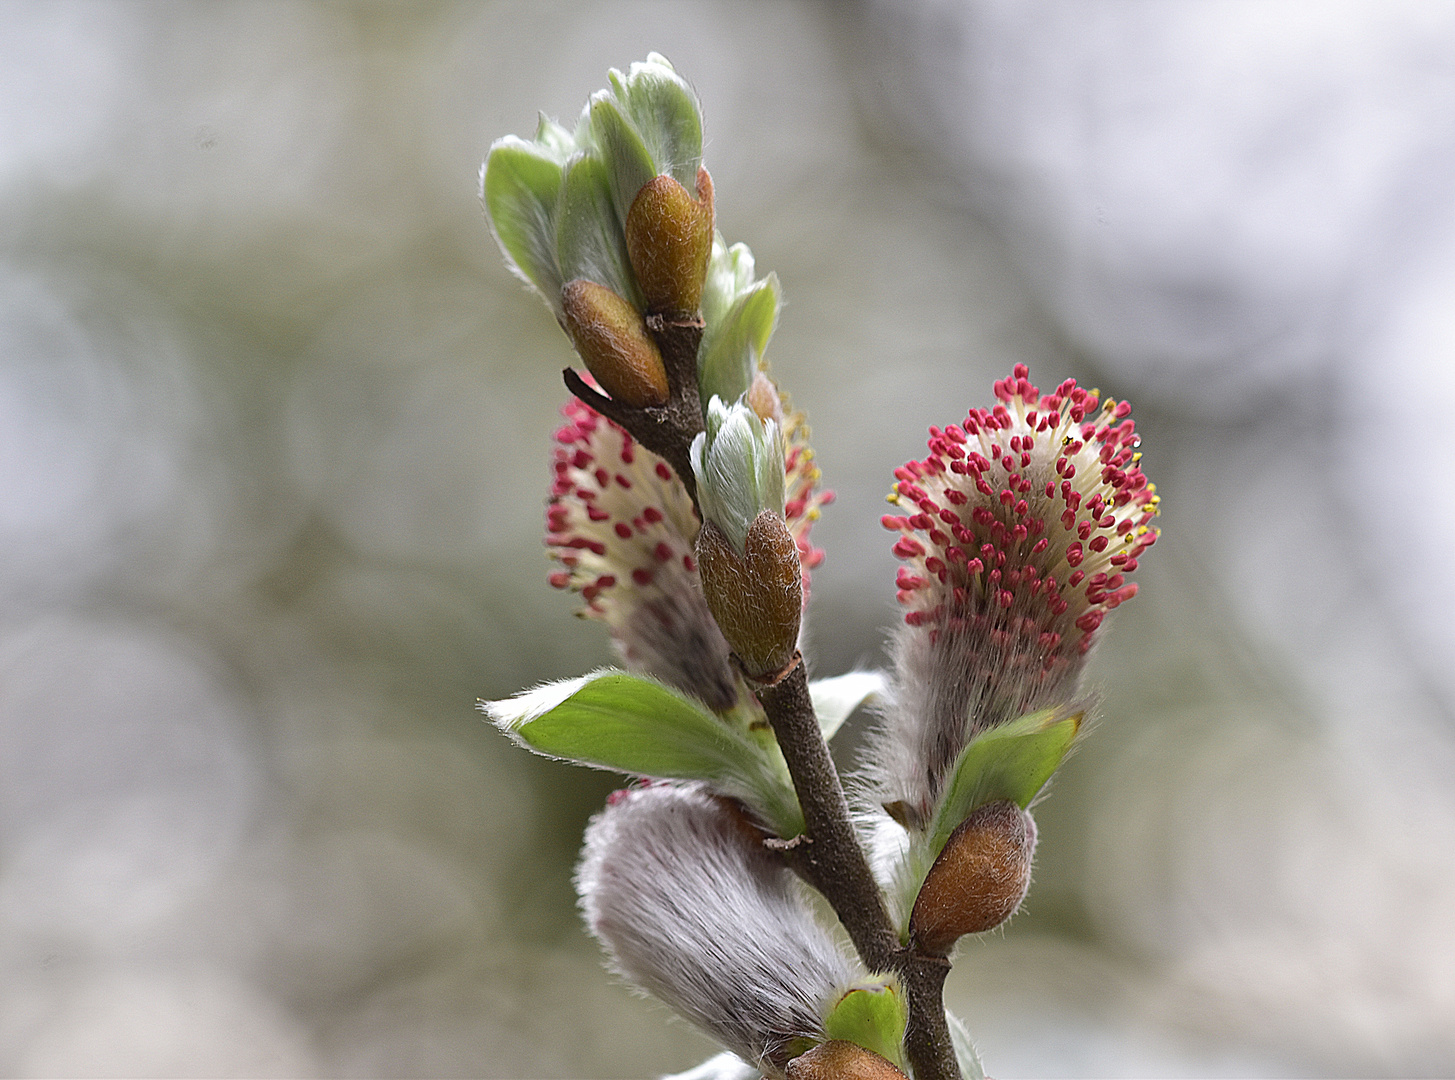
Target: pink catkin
[1017, 532]
[1039, 456]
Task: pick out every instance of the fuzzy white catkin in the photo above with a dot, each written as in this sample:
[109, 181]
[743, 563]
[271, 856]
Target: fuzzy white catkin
[691, 908]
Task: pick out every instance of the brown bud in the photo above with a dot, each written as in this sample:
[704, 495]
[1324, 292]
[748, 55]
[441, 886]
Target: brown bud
[612, 339]
[756, 597]
[669, 242]
[840, 1060]
[979, 879]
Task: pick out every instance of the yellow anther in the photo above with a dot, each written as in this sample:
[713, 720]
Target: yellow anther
[892, 498]
[814, 514]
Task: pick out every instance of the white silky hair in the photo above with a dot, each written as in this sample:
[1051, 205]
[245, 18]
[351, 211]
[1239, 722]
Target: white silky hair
[887, 845]
[738, 461]
[945, 691]
[677, 886]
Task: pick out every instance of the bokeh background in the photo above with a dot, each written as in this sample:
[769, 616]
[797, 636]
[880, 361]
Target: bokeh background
[274, 424]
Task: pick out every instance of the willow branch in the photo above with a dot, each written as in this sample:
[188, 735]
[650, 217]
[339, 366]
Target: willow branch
[666, 430]
[833, 862]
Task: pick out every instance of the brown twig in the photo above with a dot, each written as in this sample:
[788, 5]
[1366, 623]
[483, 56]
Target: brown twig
[666, 430]
[927, 1040]
[833, 862]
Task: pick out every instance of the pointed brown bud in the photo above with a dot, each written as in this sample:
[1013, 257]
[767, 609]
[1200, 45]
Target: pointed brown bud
[611, 337]
[669, 242]
[979, 879]
[840, 1060]
[756, 597]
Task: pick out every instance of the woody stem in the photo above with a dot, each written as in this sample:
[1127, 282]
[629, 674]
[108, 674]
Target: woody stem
[666, 430]
[833, 862]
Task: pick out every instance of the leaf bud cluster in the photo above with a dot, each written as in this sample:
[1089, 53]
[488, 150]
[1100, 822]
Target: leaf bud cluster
[601, 222]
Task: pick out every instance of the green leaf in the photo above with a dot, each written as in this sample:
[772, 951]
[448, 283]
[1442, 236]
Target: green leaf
[872, 1016]
[619, 721]
[732, 345]
[664, 110]
[1012, 761]
[627, 161]
[622, 722]
[555, 139]
[521, 186]
[835, 699]
[590, 243]
[729, 271]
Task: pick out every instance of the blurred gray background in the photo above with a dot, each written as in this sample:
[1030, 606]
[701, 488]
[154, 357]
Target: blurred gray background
[274, 425]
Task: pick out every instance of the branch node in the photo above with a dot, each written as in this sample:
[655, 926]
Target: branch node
[761, 682]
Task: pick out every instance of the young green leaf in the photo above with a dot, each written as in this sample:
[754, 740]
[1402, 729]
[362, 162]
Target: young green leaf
[738, 461]
[555, 139]
[729, 272]
[733, 342]
[664, 110]
[622, 722]
[965, 1054]
[521, 186]
[590, 243]
[618, 145]
[872, 1016]
[1012, 761]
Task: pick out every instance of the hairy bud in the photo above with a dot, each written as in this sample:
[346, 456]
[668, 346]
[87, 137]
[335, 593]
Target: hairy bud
[739, 463]
[612, 339]
[669, 242]
[979, 879]
[756, 597]
[677, 885]
[840, 1060]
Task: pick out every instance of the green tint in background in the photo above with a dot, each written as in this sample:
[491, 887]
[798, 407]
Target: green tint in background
[274, 432]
